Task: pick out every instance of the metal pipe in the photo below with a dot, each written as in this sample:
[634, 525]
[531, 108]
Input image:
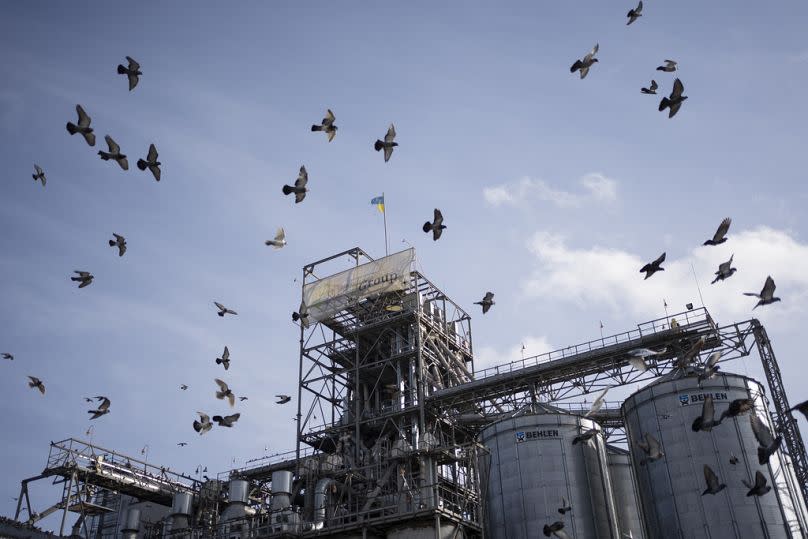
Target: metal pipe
[320, 498]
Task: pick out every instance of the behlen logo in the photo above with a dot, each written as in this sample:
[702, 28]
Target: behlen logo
[698, 398]
[522, 436]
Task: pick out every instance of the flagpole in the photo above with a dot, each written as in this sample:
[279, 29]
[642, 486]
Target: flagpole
[384, 213]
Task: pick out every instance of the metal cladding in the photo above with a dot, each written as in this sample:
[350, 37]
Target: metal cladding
[238, 491]
[625, 492]
[533, 464]
[131, 524]
[182, 503]
[671, 487]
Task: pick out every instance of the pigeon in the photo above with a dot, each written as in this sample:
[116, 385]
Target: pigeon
[586, 63]
[733, 459]
[736, 408]
[436, 226]
[759, 488]
[768, 444]
[102, 409]
[669, 67]
[226, 421]
[182, 444]
[8, 356]
[283, 399]
[585, 436]
[120, 241]
[83, 127]
[301, 313]
[706, 421]
[711, 367]
[88, 399]
[85, 278]
[724, 270]
[720, 234]
[183, 387]
[651, 448]
[713, 486]
[653, 267]
[486, 302]
[801, 407]
[556, 529]
[150, 162]
[131, 72]
[675, 100]
[280, 239]
[652, 89]
[598, 404]
[634, 14]
[40, 175]
[327, 125]
[300, 188]
[114, 153]
[637, 357]
[388, 143]
[225, 392]
[565, 506]
[687, 358]
[242, 399]
[37, 383]
[223, 310]
[225, 359]
[203, 425]
[766, 295]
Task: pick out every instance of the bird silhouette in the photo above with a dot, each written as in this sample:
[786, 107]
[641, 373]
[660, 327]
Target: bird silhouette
[759, 488]
[653, 267]
[102, 409]
[225, 392]
[766, 295]
[114, 153]
[120, 241]
[388, 143]
[706, 421]
[652, 89]
[7, 355]
[83, 127]
[713, 485]
[586, 62]
[720, 235]
[223, 310]
[436, 226]
[151, 162]
[634, 14]
[226, 421]
[768, 443]
[486, 302]
[299, 188]
[40, 175]
[84, 277]
[132, 72]
[283, 399]
[36, 383]
[203, 425]
[327, 125]
[725, 270]
[669, 67]
[225, 359]
[675, 100]
[279, 241]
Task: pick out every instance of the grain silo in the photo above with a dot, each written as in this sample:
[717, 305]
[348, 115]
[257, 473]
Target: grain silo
[671, 487]
[626, 497]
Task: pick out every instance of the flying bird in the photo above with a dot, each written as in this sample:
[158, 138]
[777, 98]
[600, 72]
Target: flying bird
[388, 143]
[585, 436]
[183, 387]
[37, 383]
[652, 89]
[720, 234]
[40, 175]
[114, 153]
[132, 72]
[283, 399]
[587, 61]
[83, 127]
[203, 425]
[634, 14]
[653, 267]
[651, 448]
[688, 357]
[801, 407]
[598, 404]
[223, 310]
[327, 125]
[182, 444]
[711, 367]
[725, 270]
[151, 162]
[555, 529]
[225, 359]
[280, 239]
[8, 356]
[669, 67]
[766, 295]
[733, 459]
[636, 357]
[301, 314]
[486, 302]
[120, 241]
[84, 277]
[300, 188]
[737, 407]
[759, 488]
[713, 486]
[768, 443]
[226, 421]
[102, 409]
[565, 506]
[436, 226]
[675, 100]
[706, 421]
[242, 399]
[225, 392]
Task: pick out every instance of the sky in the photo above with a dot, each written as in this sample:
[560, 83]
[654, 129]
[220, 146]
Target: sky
[555, 191]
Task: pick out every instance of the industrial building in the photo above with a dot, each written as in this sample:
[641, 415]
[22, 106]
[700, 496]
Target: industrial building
[399, 437]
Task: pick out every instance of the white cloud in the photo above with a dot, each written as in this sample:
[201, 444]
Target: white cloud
[596, 187]
[601, 276]
[488, 356]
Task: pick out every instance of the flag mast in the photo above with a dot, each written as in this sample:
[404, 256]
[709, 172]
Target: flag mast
[384, 213]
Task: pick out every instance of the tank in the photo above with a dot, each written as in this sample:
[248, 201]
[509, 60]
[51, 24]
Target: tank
[624, 487]
[671, 487]
[533, 464]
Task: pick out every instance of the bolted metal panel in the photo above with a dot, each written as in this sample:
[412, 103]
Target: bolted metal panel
[533, 464]
[626, 496]
[671, 488]
[182, 503]
[132, 520]
[238, 490]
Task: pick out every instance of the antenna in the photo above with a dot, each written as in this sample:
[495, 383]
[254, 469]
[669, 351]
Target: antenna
[697, 284]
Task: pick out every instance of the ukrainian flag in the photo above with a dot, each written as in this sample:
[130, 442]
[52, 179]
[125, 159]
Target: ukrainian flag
[379, 202]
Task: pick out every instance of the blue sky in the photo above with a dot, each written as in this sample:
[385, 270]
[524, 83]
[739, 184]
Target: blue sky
[555, 190]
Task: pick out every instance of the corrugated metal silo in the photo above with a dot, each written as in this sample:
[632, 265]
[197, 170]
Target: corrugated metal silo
[533, 464]
[671, 487]
[626, 496]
